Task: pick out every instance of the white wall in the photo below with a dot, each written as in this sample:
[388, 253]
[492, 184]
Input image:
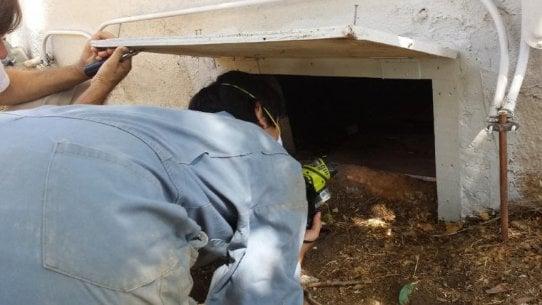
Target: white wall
[467, 164]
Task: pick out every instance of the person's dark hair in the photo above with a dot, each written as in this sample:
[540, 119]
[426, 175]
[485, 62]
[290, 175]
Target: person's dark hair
[237, 92]
[10, 16]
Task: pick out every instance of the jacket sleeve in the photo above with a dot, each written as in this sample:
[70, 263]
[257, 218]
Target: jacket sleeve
[268, 271]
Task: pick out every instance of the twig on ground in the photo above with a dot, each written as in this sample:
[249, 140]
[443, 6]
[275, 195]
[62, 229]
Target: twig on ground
[517, 209]
[468, 228]
[532, 206]
[371, 200]
[309, 298]
[333, 284]
[416, 268]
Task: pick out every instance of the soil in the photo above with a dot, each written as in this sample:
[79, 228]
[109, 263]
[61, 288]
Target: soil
[381, 230]
[381, 233]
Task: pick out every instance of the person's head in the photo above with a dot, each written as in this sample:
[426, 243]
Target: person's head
[10, 17]
[248, 97]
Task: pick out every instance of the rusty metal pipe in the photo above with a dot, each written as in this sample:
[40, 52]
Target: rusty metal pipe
[503, 160]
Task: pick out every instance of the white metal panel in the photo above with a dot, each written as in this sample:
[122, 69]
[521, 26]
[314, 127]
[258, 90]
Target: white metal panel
[336, 42]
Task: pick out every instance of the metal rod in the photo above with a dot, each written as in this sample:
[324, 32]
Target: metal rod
[503, 160]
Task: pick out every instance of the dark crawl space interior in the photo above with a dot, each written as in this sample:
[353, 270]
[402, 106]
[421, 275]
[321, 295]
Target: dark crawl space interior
[383, 124]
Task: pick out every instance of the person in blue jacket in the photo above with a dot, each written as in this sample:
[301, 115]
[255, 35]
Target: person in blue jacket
[114, 204]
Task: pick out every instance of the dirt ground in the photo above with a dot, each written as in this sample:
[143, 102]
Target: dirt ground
[381, 233]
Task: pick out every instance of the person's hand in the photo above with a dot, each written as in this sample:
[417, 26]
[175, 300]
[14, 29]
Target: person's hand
[311, 235]
[113, 70]
[110, 74]
[91, 54]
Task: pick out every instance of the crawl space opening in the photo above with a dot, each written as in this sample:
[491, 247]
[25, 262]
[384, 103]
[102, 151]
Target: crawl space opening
[382, 124]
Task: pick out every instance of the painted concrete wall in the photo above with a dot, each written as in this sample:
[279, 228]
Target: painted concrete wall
[467, 165]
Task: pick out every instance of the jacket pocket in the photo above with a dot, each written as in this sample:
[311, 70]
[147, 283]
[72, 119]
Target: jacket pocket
[106, 220]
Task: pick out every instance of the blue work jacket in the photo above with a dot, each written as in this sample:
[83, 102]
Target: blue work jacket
[106, 205]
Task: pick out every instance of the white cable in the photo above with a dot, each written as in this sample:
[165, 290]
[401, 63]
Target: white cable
[200, 9]
[521, 69]
[522, 64]
[193, 10]
[504, 65]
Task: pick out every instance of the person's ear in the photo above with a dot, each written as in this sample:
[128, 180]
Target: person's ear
[260, 115]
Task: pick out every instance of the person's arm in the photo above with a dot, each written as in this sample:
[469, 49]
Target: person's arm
[29, 85]
[311, 235]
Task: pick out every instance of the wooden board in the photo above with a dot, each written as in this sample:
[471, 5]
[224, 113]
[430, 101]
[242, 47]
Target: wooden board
[337, 42]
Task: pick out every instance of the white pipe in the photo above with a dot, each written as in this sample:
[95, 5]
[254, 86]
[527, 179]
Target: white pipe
[44, 55]
[504, 65]
[193, 10]
[519, 76]
[201, 9]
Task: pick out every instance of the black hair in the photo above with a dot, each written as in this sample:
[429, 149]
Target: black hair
[10, 16]
[237, 92]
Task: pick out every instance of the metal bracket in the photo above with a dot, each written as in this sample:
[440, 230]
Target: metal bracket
[494, 125]
[8, 62]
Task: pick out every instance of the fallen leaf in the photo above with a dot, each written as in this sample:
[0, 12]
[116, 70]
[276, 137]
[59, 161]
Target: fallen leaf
[525, 245]
[367, 281]
[523, 301]
[502, 287]
[407, 262]
[453, 227]
[520, 225]
[426, 227]
[328, 218]
[360, 271]
[308, 279]
[372, 222]
[406, 292]
[484, 215]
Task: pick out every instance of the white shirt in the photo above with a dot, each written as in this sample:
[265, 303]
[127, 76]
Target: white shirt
[4, 79]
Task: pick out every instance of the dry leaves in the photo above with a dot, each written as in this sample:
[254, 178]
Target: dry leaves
[453, 227]
[426, 227]
[484, 216]
[523, 301]
[502, 287]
